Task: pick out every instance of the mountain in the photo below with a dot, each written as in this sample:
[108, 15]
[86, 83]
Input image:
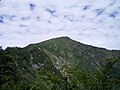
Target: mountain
[60, 64]
[78, 55]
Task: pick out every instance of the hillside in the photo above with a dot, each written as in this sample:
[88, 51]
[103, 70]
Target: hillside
[76, 54]
[60, 64]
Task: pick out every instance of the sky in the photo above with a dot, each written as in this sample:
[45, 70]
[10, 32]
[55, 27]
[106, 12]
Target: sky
[92, 22]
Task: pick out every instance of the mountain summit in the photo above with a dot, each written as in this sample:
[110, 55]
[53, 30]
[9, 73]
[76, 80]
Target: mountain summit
[60, 64]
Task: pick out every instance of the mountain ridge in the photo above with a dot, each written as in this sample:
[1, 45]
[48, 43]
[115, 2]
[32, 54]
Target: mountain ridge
[56, 58]
[67, 37]
[74, 53]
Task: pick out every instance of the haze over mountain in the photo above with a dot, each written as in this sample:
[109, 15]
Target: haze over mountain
[91, 22]
[59, 64]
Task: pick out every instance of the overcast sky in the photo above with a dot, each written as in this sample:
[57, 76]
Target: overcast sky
[93, 22]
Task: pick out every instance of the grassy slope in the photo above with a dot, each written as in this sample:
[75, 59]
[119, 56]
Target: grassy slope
[78, 55]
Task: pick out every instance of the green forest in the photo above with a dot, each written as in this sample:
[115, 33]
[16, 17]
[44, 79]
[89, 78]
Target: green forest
[59, 64]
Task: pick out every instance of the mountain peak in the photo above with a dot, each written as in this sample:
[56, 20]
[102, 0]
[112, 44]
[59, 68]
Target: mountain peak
[64, 37]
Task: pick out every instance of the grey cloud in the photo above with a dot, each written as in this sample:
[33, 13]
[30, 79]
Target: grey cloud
[113, 14]
[99, 11]
[86, 7]
[32, 6]
[112, 3]
[50, 11]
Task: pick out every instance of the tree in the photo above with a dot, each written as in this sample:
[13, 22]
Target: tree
[0, 48]
[104, 80]
[74, 79]
[8, 76]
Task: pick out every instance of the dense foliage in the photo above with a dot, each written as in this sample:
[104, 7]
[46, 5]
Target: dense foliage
[59, 64]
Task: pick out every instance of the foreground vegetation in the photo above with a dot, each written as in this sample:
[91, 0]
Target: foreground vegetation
[70, 78]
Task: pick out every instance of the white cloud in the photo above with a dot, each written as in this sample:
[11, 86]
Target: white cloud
[89, 21]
